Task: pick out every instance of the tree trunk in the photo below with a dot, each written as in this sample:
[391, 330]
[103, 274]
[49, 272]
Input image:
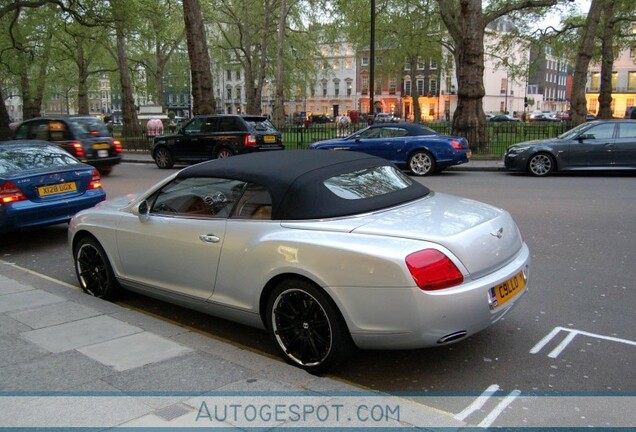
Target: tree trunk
[279, 105]
[202, 91]
[29, 107]
[131, 127]
[469, 119]
[578, 103]
[161, 64]
[607, 61]
[82, 86]
[417, 109]
[5, 130]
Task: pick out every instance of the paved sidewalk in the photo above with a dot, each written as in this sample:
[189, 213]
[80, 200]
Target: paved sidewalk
[473, 165]
[70, 360]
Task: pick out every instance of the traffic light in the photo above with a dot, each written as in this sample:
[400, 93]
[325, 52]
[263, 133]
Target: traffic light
[525, 102]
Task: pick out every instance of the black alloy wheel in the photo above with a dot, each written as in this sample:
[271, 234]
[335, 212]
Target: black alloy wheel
[307, 327]
[94, 271]
[163, 158]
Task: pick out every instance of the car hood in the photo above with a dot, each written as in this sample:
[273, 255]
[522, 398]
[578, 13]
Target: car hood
[538, 142]
[330, 143]
[484, 238]
[118, 203]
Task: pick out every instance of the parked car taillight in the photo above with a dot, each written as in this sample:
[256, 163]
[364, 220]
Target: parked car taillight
[78, 149]
[117, 145]
[456, 145]
[96, 180]
[432, 270]
[10, 193]
[250, 140]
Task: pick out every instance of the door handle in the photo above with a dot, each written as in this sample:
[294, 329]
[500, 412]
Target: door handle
[209, 238]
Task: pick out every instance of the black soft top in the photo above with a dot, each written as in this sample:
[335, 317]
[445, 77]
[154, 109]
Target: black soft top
[295, 180]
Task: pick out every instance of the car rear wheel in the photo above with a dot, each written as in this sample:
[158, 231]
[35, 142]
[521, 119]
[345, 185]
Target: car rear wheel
[422, 163]
[94, 271]
[307, 327]
[541, 164]
[105, 171]
[163, 158]
[224, 153]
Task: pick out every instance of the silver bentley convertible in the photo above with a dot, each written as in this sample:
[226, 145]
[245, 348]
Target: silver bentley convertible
[327, 251]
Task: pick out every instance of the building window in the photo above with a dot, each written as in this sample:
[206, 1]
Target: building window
[631, 80]
[378, 87]
[324, 89]
[420, 87]
[614, 81]
[407, 88]
[365, 84]
[593, 105]
[432, 86]
[336, 64]
[504, 86]
[228, 73]
[365, 61]
[596, 79]
[237, 75]
[420, 65]
[433, 65]
[229, 93]
[348, 64]
[336, 88]
[392, 86]
[349, 88]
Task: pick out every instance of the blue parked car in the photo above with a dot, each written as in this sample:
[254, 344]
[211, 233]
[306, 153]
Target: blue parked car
[410, 146]
[41, 184]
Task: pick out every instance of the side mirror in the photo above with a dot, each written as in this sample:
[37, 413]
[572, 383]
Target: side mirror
[143, 211]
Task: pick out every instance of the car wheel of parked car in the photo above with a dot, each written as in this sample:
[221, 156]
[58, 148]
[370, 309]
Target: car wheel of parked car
[94, 271]
[307, 327]
[224, 153]
[541, 164]
[422, 163]
[104, 171]
[163, 158]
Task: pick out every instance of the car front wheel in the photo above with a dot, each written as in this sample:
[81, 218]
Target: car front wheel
[422, 163]
[307, 327]
[163, 158]
[94, 271]
[541, 164]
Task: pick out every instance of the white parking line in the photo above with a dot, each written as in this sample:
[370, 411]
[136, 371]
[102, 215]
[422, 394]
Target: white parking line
[501, 406]
[572, 333]
[477, 403]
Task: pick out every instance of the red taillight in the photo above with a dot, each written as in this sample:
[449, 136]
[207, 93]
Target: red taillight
[432, 270]
[250, 141]
[96, 180]
[95, 133]
[117, 145]
[456, 145]
[78, 149]
[10, 193]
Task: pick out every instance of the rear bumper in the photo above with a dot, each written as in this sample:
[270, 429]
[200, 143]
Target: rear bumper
[27, 214]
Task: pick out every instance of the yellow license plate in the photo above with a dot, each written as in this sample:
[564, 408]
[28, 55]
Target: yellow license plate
[101, 146]
[502, 293]
[269, 139]
[56, 189]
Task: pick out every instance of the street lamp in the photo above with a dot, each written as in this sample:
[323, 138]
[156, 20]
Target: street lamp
[372, 62]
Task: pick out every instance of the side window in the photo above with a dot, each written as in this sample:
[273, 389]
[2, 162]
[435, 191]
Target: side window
[23, 132]
[603, 131]
[628, 130]
[256, 203]
[57, 131]
[372, 133]
[41, 132]
[210, 125]
[197, 197]
[230, 124]
[194, 127]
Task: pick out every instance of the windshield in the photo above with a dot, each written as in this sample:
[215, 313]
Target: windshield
[574, 131]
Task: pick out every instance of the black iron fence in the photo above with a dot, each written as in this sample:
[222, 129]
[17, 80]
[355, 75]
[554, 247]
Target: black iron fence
[500, 135]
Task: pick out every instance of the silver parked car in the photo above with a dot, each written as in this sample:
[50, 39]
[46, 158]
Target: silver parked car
[325, 250]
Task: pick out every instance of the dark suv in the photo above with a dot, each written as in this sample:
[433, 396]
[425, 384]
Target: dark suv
[85, 137]
[207, 137]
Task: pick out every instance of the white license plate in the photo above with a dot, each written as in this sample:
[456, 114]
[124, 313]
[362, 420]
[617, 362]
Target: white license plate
[102, 153]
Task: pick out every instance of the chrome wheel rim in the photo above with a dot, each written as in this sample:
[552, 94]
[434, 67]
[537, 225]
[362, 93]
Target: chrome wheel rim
[301, 327]
[540, 165]
[92, 270]
[224, 154]
[421, 163]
